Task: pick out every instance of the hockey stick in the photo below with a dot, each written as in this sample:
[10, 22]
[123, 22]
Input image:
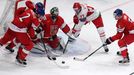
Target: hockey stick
[41, 49]
[65, 46]
[78, 59]
[67, 41]
[53, 58]
[50, 58]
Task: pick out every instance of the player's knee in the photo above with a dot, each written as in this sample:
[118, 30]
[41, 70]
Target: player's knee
[54, 45]
[29, 46]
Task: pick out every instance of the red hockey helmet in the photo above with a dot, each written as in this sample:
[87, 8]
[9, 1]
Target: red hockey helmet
[77, 7]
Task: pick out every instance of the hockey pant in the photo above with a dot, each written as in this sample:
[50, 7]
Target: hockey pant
[15, 42]
[23, 38]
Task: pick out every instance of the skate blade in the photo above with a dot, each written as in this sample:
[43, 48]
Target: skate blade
[17, 63]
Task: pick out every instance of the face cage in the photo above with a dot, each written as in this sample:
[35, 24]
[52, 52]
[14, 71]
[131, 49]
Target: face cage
[115, 15]
[77, 10]
[55, 13]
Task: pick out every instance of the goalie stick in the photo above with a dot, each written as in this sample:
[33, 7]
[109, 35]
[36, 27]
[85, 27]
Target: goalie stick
[83, 59]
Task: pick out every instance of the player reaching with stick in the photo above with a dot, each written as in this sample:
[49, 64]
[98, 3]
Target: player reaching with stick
[85, 14]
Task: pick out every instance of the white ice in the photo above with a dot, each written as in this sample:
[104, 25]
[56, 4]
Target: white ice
[100, 63]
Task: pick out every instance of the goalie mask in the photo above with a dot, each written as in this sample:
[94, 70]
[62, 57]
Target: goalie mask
[54, 13]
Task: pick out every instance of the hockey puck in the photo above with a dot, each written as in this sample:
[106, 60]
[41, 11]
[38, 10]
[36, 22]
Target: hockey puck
[54, 58]
[63, 62]
[74, 58]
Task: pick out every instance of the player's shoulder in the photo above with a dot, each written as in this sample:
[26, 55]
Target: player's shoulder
[47, 18]
[121, 22]
[60, 18]
[125, 17]
[28, 11]
[47, 15]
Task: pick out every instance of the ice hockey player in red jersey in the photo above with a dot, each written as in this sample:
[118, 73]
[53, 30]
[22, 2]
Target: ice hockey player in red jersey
[51, 26]
[124, 35]
[18, 29]
[17, 12]
[85, 14]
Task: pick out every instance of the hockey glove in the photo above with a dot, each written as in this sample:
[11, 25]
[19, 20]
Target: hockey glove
[75, 19]
[109, 40]
[39, 29]
[75, 33]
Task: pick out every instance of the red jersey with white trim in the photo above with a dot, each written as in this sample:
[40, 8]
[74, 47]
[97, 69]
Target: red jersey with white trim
[124, 26]
[87, 13]
[26, 19]
[51, 28]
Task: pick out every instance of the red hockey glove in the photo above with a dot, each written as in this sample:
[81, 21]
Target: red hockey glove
[30, 5]
[75, 19]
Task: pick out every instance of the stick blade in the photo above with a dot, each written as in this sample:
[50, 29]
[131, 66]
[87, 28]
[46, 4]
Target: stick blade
[78, 59]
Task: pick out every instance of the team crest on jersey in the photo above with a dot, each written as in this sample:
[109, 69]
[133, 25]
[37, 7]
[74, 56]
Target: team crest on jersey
[54, 29]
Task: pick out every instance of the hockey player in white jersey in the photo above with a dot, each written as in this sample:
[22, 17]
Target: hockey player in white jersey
[85, 14]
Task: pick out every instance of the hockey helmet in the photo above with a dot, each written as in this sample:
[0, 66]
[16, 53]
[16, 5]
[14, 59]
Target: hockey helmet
[77, 7]
[39, 5]
[54, 12]
[39, 9]
[118, 12]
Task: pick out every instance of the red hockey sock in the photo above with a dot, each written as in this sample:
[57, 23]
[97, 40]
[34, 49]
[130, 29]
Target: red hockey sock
[12, 45]
[21, 54]
[124, 53]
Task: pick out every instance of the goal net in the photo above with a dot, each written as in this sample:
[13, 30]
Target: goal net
[6, 15]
